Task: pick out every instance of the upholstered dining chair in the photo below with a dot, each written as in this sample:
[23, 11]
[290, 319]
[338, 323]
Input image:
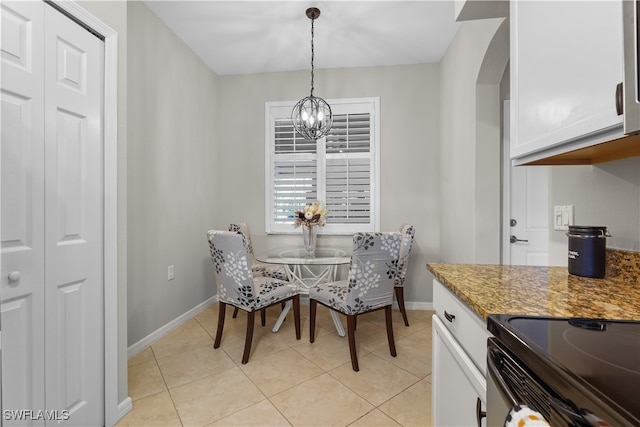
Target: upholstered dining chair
[407, 234]
[258, 268]
[237, 285]
[369, 286]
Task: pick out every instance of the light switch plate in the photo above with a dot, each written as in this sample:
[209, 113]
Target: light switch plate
[562, 217]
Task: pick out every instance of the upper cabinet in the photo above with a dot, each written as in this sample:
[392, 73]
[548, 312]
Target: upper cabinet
[566, 61]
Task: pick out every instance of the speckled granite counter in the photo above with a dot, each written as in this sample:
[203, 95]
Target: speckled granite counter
[542, 291]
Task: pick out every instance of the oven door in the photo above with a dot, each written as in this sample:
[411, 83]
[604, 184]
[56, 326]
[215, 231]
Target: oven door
[510, 383]
[628, 96]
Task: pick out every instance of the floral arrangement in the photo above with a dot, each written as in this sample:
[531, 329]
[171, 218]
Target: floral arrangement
[312, 214]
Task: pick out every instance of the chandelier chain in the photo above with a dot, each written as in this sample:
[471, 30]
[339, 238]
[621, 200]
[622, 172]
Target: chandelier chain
[312, 55]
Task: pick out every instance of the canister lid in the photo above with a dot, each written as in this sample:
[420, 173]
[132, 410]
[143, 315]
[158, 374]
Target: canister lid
[587, 231]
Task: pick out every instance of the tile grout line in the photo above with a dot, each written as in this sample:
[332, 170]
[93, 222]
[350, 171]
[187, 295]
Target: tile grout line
[175, 408]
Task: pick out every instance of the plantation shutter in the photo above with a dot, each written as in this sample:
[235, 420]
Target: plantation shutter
[295, 171]
[348, 169]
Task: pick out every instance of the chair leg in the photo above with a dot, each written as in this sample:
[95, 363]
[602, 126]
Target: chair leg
[313, 305]
[296, 315]
[351, 333]
[263, 316]
[222, 308]
[235, 312]
[283, 304]
[400, 298]
[392, 344]
[251, 315]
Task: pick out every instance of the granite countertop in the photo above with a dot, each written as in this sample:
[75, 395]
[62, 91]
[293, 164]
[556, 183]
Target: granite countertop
[541, 291]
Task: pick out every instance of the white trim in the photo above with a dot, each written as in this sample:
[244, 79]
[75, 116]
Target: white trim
[124, 407]
[164, 330]
[415, 305]
[506, 184]
[113, 410]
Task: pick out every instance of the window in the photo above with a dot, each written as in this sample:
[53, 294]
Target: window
[341, 170]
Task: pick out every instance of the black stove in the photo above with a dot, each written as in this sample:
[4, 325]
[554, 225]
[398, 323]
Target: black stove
[593, 364]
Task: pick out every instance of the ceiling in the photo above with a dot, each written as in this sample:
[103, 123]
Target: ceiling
[245, 37]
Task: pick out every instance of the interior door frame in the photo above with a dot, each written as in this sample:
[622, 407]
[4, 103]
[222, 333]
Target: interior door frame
[113, 410]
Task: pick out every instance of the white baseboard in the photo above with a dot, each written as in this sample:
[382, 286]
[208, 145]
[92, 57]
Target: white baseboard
[164, 330]
[124, 407]
[411, 305]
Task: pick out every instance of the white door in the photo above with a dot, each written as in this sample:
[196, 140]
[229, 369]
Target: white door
[22, 206]
[526, 209]
[52, 226]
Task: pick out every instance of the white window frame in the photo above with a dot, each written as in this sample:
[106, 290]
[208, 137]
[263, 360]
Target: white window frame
[275, 110]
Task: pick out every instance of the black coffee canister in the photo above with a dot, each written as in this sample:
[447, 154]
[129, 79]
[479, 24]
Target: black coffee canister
[587, 250]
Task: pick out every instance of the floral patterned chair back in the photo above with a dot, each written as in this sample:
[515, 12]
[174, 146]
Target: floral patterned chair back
[406, 244]
[258, 268]
[407, 234]
[233, 270]
[243, 228]
[371, 273]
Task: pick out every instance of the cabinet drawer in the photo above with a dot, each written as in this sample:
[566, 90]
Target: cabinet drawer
[469, 329]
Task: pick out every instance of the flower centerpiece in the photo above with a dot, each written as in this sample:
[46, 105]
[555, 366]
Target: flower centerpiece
[312, 215]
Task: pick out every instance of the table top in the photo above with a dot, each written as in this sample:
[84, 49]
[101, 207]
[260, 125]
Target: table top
[297, 255]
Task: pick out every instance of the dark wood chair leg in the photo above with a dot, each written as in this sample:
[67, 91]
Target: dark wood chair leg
[392, 344]
[235, 312]
[263, 316]
[400, 298]
[222, 308]
[251, 315]
[313, 305]
[296, 315]
[351, 333]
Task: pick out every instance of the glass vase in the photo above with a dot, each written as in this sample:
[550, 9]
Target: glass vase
[309, 237]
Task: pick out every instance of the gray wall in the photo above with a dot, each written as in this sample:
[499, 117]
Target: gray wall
[172, 108]
[607, 194]
[409, 141]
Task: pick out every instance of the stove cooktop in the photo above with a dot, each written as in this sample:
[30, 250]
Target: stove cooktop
[592, 362]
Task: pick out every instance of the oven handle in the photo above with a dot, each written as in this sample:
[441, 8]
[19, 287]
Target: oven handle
[495, 374]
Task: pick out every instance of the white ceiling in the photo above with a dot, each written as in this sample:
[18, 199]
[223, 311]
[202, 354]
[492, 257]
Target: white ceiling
[244, 37]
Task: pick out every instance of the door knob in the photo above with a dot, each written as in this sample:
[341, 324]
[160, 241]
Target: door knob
[514, 239]
[14, 276]
[513, 222]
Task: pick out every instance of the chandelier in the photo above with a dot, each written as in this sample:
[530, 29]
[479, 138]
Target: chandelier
[311, 116]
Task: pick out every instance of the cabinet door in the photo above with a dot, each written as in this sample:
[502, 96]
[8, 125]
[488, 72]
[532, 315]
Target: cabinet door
[458, 387]
[566, 60]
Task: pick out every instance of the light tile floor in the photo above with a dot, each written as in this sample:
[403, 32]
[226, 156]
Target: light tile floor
[180, 380]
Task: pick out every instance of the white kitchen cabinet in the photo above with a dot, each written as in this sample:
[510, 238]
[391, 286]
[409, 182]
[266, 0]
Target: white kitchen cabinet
[459, 362]
[566, 60]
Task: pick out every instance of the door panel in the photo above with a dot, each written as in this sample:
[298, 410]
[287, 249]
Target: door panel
[529, 207]
[74, 222]
[526, 207]
[51, 152]
[22, 207]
